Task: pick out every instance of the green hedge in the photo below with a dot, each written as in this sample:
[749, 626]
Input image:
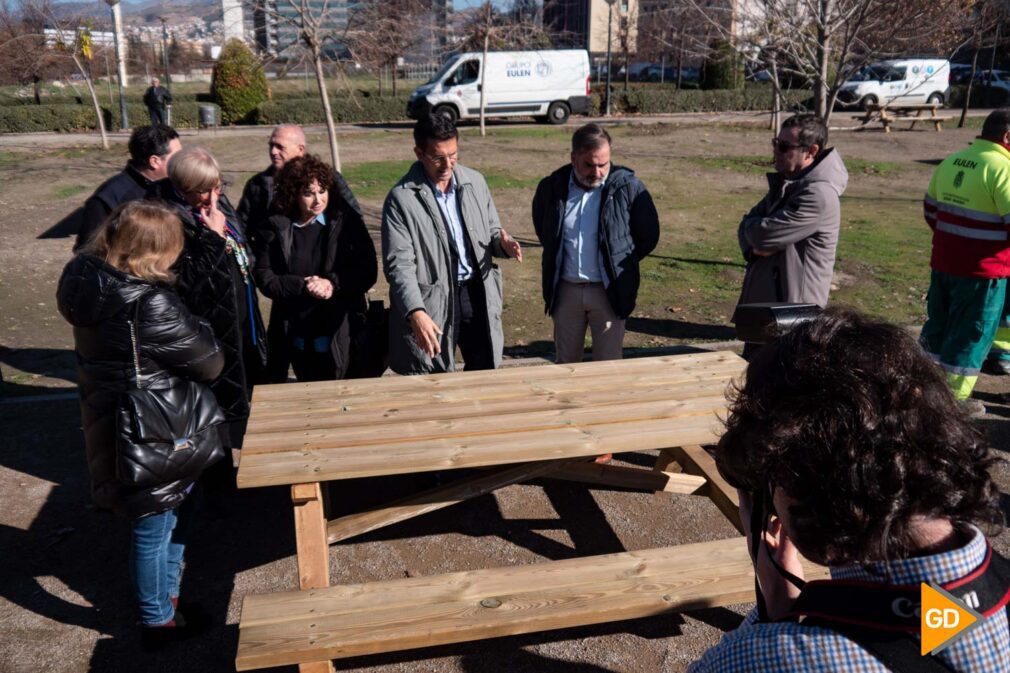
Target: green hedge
[66, 118]
[664, 100]
[310, 110]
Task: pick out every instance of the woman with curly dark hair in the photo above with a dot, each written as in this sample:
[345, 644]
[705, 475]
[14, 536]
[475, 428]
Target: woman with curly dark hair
[316, 261]
[849, 450]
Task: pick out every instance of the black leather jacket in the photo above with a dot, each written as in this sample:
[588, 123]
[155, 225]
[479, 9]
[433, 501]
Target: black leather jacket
[98, 301]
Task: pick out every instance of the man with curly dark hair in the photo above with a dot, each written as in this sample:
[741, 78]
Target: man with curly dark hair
[316, 261]
[849, 450]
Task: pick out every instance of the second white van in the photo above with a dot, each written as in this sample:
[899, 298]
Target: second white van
[549, 85]
[901, 81]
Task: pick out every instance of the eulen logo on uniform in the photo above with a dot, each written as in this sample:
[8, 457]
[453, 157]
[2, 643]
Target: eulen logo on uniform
[944, 619]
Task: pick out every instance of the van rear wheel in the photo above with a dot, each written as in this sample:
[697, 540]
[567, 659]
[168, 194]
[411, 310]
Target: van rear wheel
[935, 98]
[868, 101]
[447, 111]
[558, 112]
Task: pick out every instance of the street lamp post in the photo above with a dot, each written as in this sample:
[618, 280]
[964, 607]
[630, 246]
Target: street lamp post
[164, 53]
[124, 122]
[610, 17]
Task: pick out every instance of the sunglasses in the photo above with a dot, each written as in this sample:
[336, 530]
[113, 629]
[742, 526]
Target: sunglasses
[782, 146]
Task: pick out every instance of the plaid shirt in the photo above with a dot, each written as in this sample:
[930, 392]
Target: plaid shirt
[787, 646]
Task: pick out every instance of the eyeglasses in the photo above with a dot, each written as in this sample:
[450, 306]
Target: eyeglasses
[443, 158]
[783, 147]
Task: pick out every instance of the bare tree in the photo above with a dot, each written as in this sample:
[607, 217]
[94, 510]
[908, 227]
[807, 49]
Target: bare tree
[982, 31]
[316, 27]
[26, 50]
[490, 29]
[677, 32]
[381, 31]
[827, 41]
[24, 56]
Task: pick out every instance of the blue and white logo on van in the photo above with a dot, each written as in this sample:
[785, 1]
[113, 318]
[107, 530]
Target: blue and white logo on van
[518, 69]
[915, 70]
[544, 69]
[929, 70]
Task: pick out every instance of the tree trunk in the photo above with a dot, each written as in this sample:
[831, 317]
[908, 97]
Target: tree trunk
[680, 63]
[331, 131]
[967, 93]
[94, 101]
[392, 67]
[823, 57]
[483, 91]
[379, 70]
[627, 72]
[776, 95]
[36, 80]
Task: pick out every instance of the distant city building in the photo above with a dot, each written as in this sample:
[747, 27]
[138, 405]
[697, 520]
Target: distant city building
[276, 22]
[231, 11]
[583, 24]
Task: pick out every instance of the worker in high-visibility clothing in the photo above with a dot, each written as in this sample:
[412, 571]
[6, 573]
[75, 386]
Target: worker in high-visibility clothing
[967, 206]
[998, 362]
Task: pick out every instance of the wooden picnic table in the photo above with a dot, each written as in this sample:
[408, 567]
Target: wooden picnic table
[890, 113]
[541, 421]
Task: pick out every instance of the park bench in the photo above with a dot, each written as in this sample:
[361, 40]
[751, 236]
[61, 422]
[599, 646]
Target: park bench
[538, 422]
[888, 115]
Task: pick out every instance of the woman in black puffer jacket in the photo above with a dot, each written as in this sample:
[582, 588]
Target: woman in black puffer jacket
[215, 281]
[125, 272]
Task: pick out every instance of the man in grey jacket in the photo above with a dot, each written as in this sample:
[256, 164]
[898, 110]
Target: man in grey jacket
[440, 230]
[789, 238]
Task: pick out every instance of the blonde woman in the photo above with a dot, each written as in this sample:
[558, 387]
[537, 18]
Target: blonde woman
[215, 281]
[124, 275]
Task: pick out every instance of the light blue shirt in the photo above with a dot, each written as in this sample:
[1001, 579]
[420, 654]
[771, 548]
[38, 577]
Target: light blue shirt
[449, 207]
[580, 252]
[320, 218]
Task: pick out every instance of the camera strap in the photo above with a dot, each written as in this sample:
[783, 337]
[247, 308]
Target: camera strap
[884, 619]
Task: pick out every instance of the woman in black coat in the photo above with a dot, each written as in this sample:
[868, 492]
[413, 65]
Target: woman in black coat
[122, 276]
[316, 261]
[215, 281]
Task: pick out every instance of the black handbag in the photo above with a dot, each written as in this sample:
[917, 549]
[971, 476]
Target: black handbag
[165, 434]
[369, 341]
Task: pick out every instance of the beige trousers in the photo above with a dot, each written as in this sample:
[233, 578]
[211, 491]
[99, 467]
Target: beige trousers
[577, 305]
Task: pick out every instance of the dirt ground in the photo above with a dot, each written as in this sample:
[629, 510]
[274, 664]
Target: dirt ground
[65, 601]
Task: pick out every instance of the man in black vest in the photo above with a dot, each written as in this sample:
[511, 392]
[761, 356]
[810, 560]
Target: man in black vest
[150, 149]
[157, 98]
[287, 142]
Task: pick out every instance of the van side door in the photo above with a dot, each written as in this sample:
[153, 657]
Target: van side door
[463, 84]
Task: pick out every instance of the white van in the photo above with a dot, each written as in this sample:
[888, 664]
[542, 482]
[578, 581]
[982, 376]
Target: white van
[902, 81]
[549, 85]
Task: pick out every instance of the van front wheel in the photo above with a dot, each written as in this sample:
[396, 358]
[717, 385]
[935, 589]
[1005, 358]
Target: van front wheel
[868, 101]
[935, 99]
[558, 112]
[447, 111]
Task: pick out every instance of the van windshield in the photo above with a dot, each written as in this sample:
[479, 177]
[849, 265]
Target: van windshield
[444, 69]
[872, 73]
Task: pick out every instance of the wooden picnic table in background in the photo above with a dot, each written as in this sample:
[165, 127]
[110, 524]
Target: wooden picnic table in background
[890, 113]
[544, 421]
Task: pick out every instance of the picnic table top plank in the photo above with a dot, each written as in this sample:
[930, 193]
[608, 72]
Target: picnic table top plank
[347, 462]
[474, 426]
[332, 414]
[266, 396]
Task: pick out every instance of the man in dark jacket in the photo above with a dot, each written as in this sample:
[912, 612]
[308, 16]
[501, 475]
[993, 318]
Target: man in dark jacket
[595, 222]
[157, 98]
[150, 149]
[286, 143]
[789, 238]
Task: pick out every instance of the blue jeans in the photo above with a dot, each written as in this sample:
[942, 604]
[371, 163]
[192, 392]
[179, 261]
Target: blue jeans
[157, 544]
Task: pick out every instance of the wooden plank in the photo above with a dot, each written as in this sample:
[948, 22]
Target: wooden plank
[696, 460]
[362, 619]
[364, 398]
[346, 462]
[628, 477]
[313, 554]
[493, 424]
[482, 379]
[335, 416]
[434, 499]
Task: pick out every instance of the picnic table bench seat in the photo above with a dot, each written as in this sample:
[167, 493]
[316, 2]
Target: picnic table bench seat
[341, 621]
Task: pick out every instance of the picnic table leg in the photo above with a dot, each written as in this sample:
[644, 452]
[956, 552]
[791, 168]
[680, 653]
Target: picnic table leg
[313, 550]
[696, 460]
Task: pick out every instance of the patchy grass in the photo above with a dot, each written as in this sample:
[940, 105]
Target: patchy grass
[66, 191]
